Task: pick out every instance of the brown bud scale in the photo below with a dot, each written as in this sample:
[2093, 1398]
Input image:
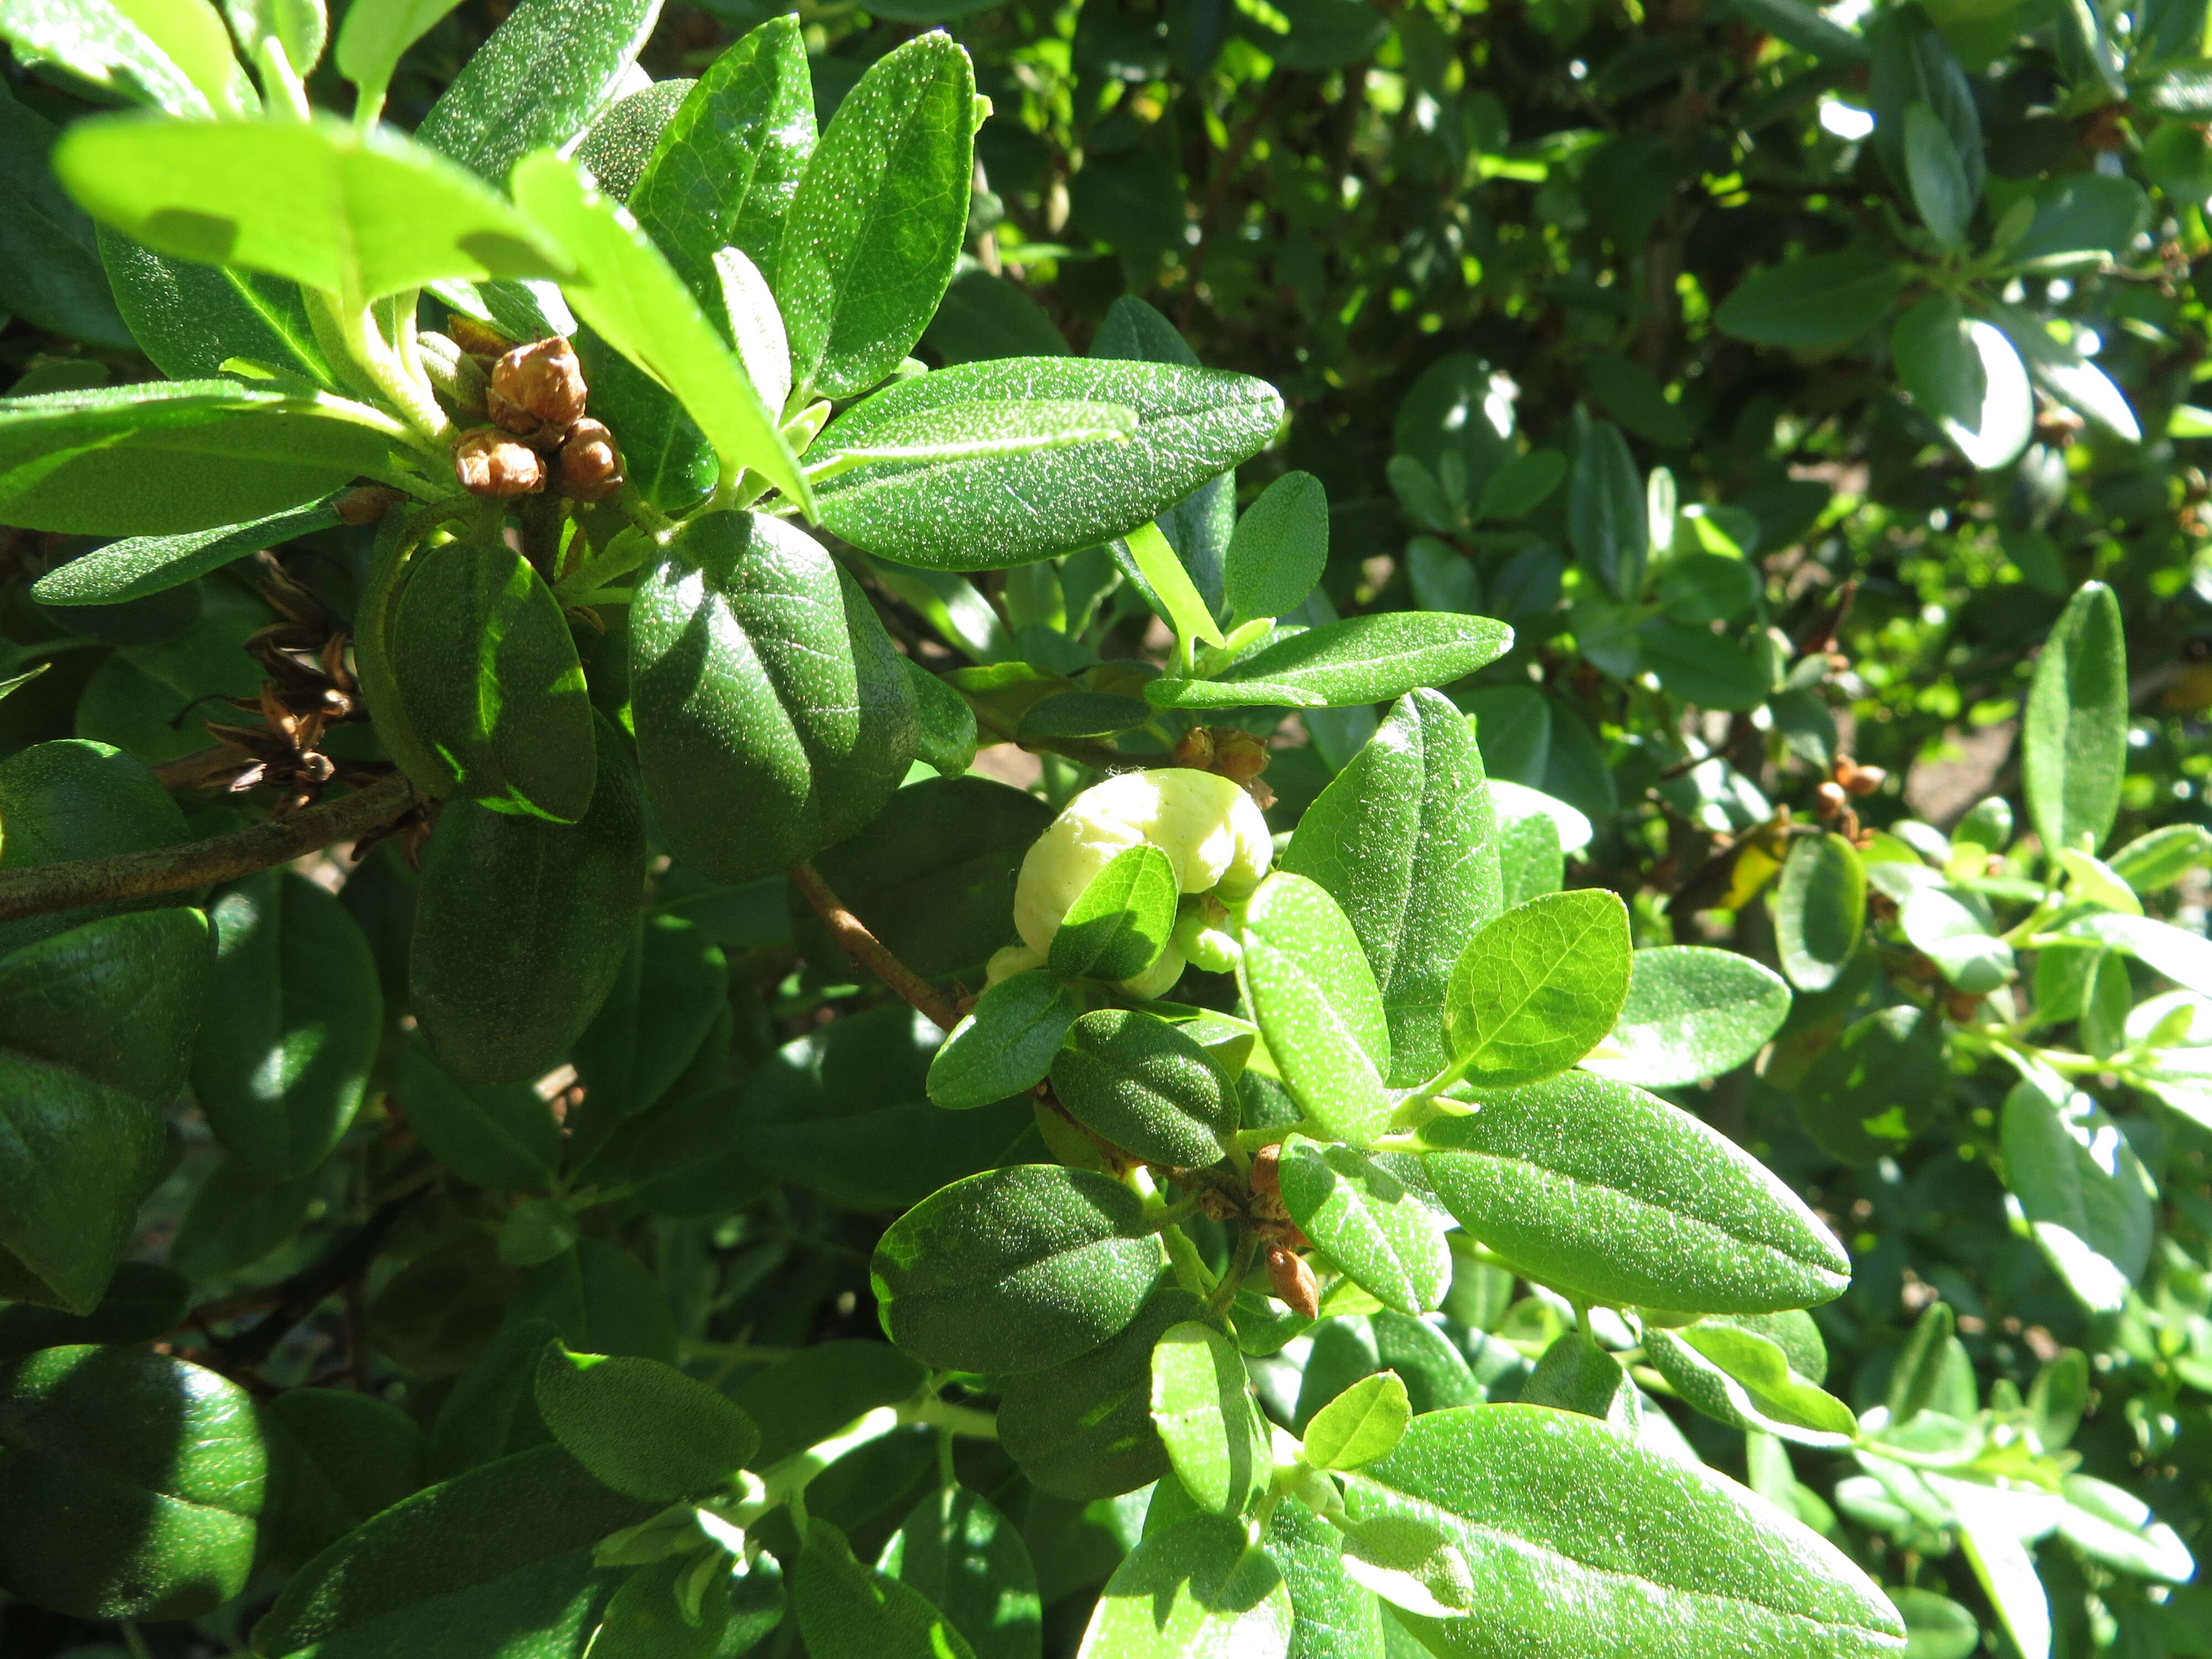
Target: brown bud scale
[1293, 1282]
[591, 467]
[537, 385]
[490, 464]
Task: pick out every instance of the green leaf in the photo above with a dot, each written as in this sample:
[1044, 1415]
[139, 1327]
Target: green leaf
[1015, 1269]
[624, 288]
[358, 214]
[292, 1025]
[1875, 1087]
[984, 431]
[143, 1303]
[491, 681]
[817, 1390]
[1120, 922]
[643, 1428]
[1537, 988]
[2075, 741]
[1369, 1223]
[1360, 1425]
[1169, 586]
[1700, 667]
[2156, 859]
[1006, 1043]
[946, 735]
[131, 569]
[875, 229]
[1278, 551]
[774, 716]
[131, 1482]
[1404, 840]
[49, 263]
[1804, 28]
[969, 1561]
[372, 38]
[1937, 176]
[2184, 956]
[1735, 1371]
[2111, 1524]
[985, 513]
[1607, 522]
[1968, 378]
[674, 985]
[1084, 1429]
[1692, 1013]
[1199, 1588]
[174, 54]
[1612, 1195]
[522, 924]
[1310, 989]
[2062, 371]
[1360, 659]
[1819, 910]
[1705, 587]
[500, 1136]
[984, 316]
[2090, 1204]
[847, 1610]
[729, 162]
[1824, 300]
[336, 1458]
[1082, 714]
[2082, 219]
[1954, 938]
[549, 68]
[1146, 1087]
[157, 458]
[429, 1553]
[1201, 1406]
[192, 318]
[1575, 1539]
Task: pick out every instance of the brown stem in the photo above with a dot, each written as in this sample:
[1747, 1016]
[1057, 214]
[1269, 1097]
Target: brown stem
[67, 885]
[863, 950]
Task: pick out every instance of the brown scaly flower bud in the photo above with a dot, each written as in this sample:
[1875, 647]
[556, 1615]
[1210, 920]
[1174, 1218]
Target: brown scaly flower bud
[539, 385]
[1865, 780]
[591, 467]
[489, 463]
[365, 505]
[1268, 1171]
[1832, 799]
[477, 339]
[1293, 1282]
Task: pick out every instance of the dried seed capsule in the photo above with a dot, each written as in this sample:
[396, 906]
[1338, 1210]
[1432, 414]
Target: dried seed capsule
[1293, 1281]
[489, 463]
[590, 468]
[539, 385]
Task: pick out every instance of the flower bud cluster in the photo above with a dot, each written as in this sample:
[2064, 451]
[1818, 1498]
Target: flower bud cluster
[536, 396]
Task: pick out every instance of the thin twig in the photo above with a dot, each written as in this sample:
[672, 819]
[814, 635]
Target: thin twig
[308, 1288]
[42, 888]
[863, 950]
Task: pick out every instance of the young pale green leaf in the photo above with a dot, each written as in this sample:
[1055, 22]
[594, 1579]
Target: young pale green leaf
[1954, 939]
[987, 511]
[355, 214]
[1537, 988]
[2154, 861]
[1612, 1195]
[1734, 1371]
[2067, 375]
[136, 1480]
[874, 230]
[2113, 1525]
[2074, 744]
[174, 54]
[1006, 1043]
[623, 288]
[1966, 376]
[2184, 956]
[970, 1561]
[643, 1428]
[1167, 582]
[372, 38]
[1413, 1563]
[547, 70]
[1819, 910]
[729, 160]
[1692, 1013]
[1310, 989]
[1576, 1539]
[1201, 1406]
[1360, 1425]
[1199, 1586]
[1278, 549]
[131, 569]
[1120, 922]
[1368, 1222]
[1987, 1524]
[2090, 1204]
[774, 716]
[1824, 300]
[1404, 840]
[1146, 1087]
[1606, 519]
[1084, 1429]
[489, 677]
[847, 1610]
[1015, 1269]
[1360, 659]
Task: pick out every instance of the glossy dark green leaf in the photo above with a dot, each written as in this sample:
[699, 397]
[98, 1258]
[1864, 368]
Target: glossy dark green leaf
[1700, 667]
[2074, 745]
[73, 798]
[774, 716]
[1146, 1087]
[2089, 1203]
[1404, 840]
[491, 681]
[1823, 300]
[984, 316]
[1614, 1196]
[1333, 1617]
[1360, 659]
[674, 984]
[1538, 987]
[490, 1412]
[1309, 986]
[1083, 714]
[622, 138]
[142, 1302]
[1692, 1012]
[443, 1542]
[292, 1025]
[523, 923]
[336, 1458]
[1015, 1270]
[946, 738]
[131, 569]
[641, 1427]
[1912, 63]
[549, 68]
[970, 1563]
[1576, 1538]
[1377, 1231]
[1876, 1086]
[1202, 1408]
[875, 227]
[1119, 923]
[1606, 521]
[191, 319]
[501, 1136]
[114, 1001]
[235, 1218]
[987, 511]
[602, 1299]
[1819, 910]
[1199, 1587]
[847, 1610]
[129, 1483]
[1006, 1043]
[49, 260]
[1280, 544]
[814, 1392]
[1084, 1429]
